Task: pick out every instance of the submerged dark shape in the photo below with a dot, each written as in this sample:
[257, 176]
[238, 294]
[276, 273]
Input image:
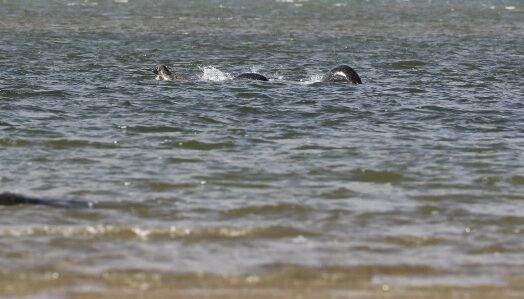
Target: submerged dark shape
[342, 73]
[12, 199]
[251, 76]
[163, 73]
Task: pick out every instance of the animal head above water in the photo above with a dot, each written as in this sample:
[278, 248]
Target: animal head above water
[162, 72]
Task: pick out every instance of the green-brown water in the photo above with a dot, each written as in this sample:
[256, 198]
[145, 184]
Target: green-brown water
[409, 185]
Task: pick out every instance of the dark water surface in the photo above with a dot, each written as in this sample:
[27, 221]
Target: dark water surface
[413, 180]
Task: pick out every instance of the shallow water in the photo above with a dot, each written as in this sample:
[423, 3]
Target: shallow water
[412, 181]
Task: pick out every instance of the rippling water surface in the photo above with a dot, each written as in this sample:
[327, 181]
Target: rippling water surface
[411, 183]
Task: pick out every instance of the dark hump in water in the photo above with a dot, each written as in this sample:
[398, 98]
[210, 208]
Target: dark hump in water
[342, 73]
[251, 76]
[12, 199]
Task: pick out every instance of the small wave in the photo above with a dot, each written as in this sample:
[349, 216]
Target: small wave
[414, 241]
[492, 180]
[211, 73]
[204, 146]
[75, 143]
[179, 160]
[253, 95]
[158, 186]
[153, 129]
[5, 124]
[495, 249]
[407, 64]
[31, 93]
[171, 232]
[85, 3]
[342, 275]
[517, 180]
[374, 176]
[339, 193]
[12, 142]
[280, 208]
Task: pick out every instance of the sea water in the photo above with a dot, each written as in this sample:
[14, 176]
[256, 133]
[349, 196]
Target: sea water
[411, 182]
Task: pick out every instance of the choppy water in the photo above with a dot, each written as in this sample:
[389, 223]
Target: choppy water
[412, 180]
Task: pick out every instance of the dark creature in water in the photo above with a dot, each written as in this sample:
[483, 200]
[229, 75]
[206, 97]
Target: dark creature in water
[12, 199]
[251, 76]
[163, 73]
[342, 73]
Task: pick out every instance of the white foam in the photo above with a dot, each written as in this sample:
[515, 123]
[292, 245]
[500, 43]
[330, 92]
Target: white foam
[312, 79]
[510, 7]
[255, 68]
[211, 73]
[85, 3]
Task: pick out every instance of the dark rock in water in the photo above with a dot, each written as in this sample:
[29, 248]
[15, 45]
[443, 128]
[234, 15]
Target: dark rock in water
[342, 73]
[251, 76]
[163, 73]
[12, 199]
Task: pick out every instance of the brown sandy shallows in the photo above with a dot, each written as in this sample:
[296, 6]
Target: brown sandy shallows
[287, 282]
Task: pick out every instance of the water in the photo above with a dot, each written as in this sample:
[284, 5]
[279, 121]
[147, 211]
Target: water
[410, 184]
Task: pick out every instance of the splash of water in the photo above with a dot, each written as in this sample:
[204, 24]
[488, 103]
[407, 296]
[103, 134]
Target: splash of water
[211, 73]
[255, 68]
[312, 79]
